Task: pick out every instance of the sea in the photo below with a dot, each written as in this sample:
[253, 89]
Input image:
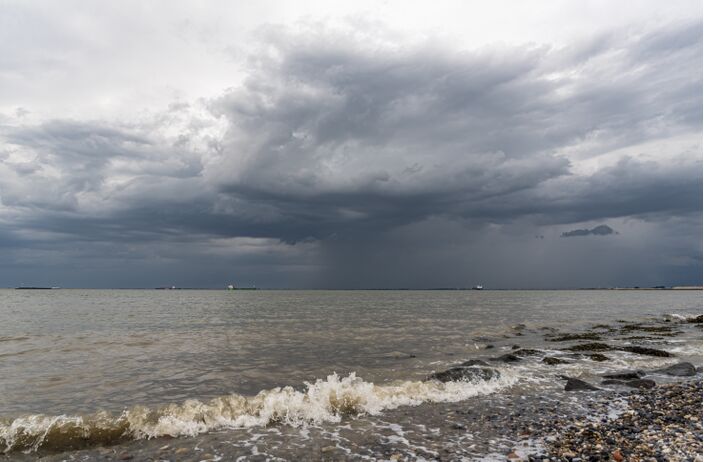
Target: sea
[302, 375]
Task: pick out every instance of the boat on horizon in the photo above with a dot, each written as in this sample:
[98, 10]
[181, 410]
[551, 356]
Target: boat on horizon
[233, 287]
[478, 287]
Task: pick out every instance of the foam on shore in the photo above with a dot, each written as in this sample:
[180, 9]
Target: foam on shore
[325, 400]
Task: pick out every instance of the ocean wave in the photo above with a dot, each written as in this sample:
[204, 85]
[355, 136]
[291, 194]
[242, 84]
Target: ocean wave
[325, 400]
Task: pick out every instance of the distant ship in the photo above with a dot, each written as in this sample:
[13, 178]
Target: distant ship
[478, 287]
[233, 287]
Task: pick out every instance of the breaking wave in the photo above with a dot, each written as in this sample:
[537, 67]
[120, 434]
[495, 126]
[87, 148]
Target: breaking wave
[326, 400]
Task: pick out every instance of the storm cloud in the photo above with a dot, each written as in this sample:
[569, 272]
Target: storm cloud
[350, 157]
[601, 230]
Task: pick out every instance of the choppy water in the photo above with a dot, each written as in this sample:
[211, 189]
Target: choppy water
[82, 366]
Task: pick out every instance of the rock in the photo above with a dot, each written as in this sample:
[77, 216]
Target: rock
[695, 319]
[595, 346]
[625, 375]
[578, 385]
[554, 361]
[679, 370]
[618, 457]
[637, 383]
[507, 358]
[598, 357]
[457, 374]
[475, 362]
[459, 426]
[125, 456]
[512, 455]
[515, 347]
[641, 383]
[570, 337]
[526, 352]
[489, 347]
[640, 327]
[328, 449]
[181, 451]
[647, 351]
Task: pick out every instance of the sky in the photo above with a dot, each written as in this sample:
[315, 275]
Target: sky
[367, 144]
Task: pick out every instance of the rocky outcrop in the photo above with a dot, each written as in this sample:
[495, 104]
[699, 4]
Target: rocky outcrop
[595, 346]
[637, 383]
[647, 351]
[467, 374]
[554, 361]
[629, 375]
[579, 385]
[679, 370]
[475, 362]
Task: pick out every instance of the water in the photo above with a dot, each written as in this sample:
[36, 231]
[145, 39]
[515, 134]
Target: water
[117, 357]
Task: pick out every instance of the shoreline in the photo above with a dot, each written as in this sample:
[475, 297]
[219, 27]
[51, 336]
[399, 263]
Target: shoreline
[549, 420]
[661, 423]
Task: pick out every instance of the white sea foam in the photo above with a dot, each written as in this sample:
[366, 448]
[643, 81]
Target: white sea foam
[325, 400]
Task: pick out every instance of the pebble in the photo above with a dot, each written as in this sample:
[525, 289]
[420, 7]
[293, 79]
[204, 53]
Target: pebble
[661, 423]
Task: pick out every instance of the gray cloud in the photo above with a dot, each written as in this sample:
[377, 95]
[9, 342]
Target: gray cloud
[373, 151]
[601, 230]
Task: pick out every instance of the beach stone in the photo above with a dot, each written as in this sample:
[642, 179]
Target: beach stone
[594, 346]
[475, 362]
[637, 383]
[579, 385]
[598, 357]
[181, 451]
[457, 374]
[125, 456]
[554, 361]
[508, 358]
[679, 370]
[647, 351]
[624, 375]
[526, 352]
[618, 457]
[571, 337]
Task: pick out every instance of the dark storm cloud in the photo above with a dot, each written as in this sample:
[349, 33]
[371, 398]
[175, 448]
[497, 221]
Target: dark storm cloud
[343, 140]
[601, 230]
[359, 135]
